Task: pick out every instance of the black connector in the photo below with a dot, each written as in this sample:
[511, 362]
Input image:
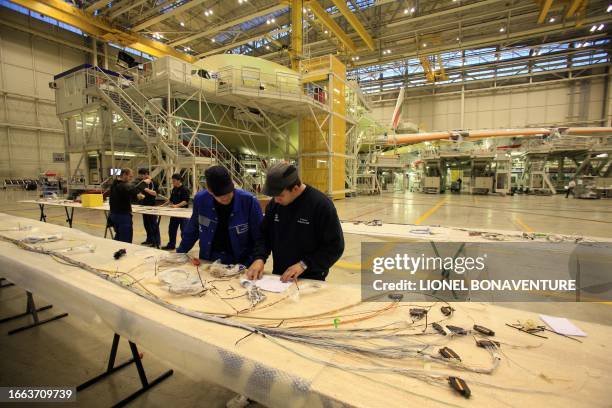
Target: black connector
[456, 329]
[484, 330]
[447, 310]
[120, 253]
[460, 386]
[418, 313]
[439, 328]
[485, 343]
[447, 352]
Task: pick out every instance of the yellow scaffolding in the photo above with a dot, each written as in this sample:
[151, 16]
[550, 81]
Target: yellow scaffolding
[322, 142]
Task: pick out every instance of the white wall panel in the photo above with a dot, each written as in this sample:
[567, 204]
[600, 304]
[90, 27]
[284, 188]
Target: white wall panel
[21, 111]
[537, 105]
[42, 85]
[27, 65]
[19, 79]
[47, 117]
[14, 49]
[46, 56]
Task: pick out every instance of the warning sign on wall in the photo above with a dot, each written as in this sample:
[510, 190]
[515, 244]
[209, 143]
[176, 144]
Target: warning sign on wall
[59, 158]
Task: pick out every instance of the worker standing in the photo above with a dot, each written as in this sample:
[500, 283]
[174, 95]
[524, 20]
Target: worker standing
[225, 219]
[179, 198]
[122, 193]
[570, 188]
[301, 228]
[149, 221]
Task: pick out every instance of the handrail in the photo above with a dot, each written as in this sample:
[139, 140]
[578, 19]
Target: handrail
[158, 122]
[97, 73]
[217, 149]
[119, 90]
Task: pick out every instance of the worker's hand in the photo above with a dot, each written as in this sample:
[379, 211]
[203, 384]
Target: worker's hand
[174, 206]
[292, 273]
[196, 261]
[140, 196]
[255, 271]
[147, 181]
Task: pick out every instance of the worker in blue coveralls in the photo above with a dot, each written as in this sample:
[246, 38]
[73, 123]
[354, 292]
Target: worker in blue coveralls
[225, 219]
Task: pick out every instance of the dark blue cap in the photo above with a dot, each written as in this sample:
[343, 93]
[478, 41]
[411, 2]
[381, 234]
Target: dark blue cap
[218, 180]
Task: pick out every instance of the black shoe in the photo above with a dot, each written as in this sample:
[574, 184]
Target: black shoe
[147, 244]
[168, 248]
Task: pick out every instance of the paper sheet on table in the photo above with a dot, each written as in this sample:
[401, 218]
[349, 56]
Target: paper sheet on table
[270, 283]
[562, 326]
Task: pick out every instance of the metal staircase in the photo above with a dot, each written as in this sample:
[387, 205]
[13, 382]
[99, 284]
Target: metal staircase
[206, 145]
[173, 148]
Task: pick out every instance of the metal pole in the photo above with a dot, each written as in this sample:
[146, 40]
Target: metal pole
[105, 56]
[94, 48]
[607, 106]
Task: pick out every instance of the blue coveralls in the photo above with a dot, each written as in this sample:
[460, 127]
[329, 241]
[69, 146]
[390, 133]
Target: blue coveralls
[244, 227]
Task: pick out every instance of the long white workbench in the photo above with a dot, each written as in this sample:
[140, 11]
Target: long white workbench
[556, 371]
[387, 230]
[69, 206]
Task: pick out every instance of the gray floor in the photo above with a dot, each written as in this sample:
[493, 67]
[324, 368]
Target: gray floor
[68, 351]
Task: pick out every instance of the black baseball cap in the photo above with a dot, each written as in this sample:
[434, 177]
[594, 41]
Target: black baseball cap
[279, 177]
[218, 180]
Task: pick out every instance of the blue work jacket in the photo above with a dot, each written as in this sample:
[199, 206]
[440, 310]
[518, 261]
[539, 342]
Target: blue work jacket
[244, 226]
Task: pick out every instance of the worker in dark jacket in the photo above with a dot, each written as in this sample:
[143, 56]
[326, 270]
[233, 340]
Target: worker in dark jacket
[122, 193]
[301, 228]
[179, 198]
[150, 221]
[226, 220]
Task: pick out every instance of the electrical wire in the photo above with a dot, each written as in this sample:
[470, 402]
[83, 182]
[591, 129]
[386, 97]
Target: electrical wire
[405, 349]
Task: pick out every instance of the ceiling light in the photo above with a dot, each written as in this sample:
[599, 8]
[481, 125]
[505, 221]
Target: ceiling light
[406, 11]
[388, 51]
[267, 47]
[424, 45]
[206, 13]
[210, 12]
[458, 39]
[268, 21]
[502, 29]
[593, 28]
[213, 40]
[601, 27]
[182, 24]
[551, 20]
[412, 10]
[609, 9]
[326, 32]
[273, 20]
[357, 58]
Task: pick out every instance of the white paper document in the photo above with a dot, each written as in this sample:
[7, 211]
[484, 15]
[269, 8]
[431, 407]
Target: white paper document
[270, 283]
[562, 326]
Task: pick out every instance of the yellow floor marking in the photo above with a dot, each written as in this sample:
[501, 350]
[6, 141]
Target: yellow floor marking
[432, 210]
[348, 265]
[522, 224]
